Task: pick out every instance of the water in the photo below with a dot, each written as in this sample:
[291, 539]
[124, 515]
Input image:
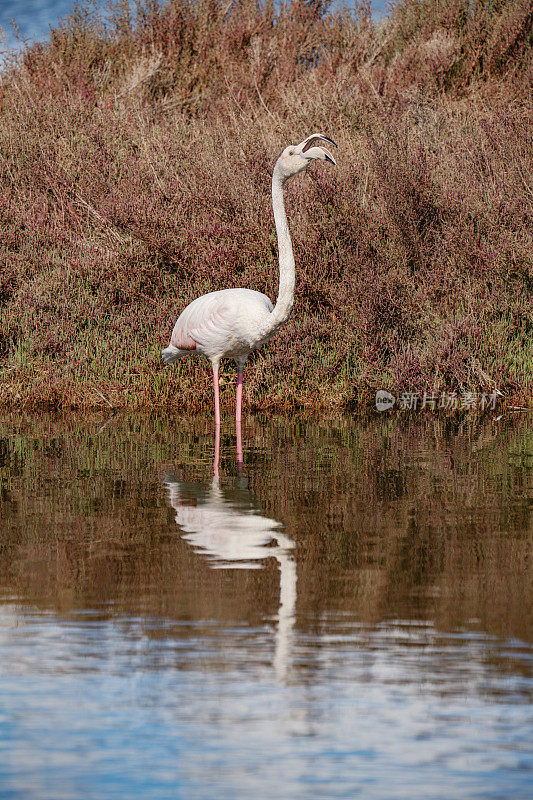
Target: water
[346, 614]
[34, 18]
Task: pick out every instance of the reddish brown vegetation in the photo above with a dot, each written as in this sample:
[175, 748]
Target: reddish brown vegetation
[135, 175]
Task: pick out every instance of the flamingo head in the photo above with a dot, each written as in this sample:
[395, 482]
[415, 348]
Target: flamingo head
[296, 158]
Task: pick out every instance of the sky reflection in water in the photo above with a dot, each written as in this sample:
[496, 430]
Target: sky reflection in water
[347, 614]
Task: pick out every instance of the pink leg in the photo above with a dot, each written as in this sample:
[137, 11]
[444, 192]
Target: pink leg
[217, 451]
[239, 397]
[239, 447]
[217, 401]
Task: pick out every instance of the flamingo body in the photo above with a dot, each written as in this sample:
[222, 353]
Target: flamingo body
[223, 324]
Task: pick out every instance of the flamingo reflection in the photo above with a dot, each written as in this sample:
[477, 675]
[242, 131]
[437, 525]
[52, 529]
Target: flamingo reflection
[227, 527]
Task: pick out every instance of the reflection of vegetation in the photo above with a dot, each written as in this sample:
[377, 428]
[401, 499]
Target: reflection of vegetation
[426, 519]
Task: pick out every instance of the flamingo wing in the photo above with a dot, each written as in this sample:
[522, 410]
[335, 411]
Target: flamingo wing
[216, 330]
[182, 339]
[207, 324]
[216, 322]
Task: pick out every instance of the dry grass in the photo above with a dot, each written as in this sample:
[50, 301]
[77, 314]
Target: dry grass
[135, 174]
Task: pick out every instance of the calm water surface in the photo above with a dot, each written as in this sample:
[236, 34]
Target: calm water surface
[347, 615]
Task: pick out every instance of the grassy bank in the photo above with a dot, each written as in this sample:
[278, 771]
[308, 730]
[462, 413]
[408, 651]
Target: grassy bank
[135, 174]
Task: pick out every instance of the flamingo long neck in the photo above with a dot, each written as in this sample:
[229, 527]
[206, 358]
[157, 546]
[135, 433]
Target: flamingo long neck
[285, 300]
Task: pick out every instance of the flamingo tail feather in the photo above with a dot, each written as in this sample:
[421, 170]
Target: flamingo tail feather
[171, 354]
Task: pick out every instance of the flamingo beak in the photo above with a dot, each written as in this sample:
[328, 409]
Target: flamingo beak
[307, 143]
[327, 139]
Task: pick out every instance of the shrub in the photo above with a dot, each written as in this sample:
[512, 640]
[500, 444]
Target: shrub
[135, 175]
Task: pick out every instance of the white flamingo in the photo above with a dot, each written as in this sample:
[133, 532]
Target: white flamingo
[231, 323]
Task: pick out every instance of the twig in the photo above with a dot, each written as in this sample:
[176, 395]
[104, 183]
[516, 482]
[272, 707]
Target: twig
[269, 112]
[102, 219]
[160, 185]
[103, 398]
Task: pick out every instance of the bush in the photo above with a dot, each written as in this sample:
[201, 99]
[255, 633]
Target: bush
[135, 175]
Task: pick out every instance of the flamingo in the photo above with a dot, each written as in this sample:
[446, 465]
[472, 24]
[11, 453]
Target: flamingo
[230, 323]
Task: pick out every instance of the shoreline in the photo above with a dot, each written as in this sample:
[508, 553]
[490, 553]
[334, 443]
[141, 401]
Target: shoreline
[115, 399]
